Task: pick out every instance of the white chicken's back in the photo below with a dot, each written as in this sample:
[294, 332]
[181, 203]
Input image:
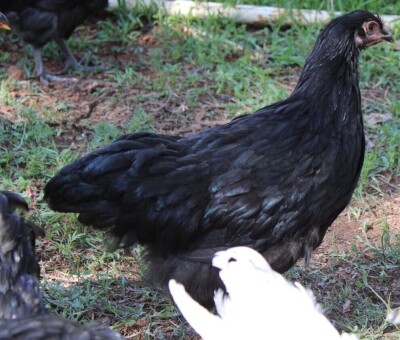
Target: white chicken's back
[259, 303]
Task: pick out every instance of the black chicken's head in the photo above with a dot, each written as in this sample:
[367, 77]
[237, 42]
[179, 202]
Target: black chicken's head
[364, 28]
[370, 30]
[4, 22]
[337, 48]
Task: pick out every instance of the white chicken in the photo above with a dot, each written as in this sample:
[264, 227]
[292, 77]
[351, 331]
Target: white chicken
[259, 303]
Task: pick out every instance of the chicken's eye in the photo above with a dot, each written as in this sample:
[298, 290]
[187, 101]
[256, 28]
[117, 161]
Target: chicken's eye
[232, 259]
[371, 26]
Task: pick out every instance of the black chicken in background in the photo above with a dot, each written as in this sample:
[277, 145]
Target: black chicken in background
[41, 21]
[19, 269]
[51, 327]
[4, 25]
[22, 311]
[273, 181]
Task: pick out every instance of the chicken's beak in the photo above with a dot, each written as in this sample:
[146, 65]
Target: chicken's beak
[4, 26]
[4, 22]
[387, 37]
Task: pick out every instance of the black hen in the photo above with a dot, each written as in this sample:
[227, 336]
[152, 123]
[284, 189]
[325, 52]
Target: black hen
[274, 180]
[22, 312]
[19, 288]
[41, 21]
[4, 25]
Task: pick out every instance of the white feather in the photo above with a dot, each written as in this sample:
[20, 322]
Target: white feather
[259, 304]
[394, 316]
[208, 325]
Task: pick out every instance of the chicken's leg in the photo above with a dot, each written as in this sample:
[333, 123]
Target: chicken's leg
[44, 76]
[70, 61]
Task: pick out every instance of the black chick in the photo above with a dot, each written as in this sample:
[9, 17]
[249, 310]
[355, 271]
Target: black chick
[273, 181]
[22, 312]
[41, 21]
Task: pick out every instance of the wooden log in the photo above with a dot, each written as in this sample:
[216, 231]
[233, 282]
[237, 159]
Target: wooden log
[243, 14]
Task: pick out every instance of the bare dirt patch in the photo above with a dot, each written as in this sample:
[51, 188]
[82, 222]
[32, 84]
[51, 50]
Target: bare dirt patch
[363, 223]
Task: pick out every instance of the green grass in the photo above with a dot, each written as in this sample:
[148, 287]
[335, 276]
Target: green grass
[381, 6]
[364, 279]
[166, 86]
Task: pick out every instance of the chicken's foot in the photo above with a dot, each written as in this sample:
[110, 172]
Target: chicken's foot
[44, 76]
[70, 61]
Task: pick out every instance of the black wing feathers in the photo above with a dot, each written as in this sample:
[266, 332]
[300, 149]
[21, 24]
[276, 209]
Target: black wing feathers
[176, 187]
[142, 171]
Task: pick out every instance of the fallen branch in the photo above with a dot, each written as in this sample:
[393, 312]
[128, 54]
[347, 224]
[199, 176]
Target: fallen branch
[243, 14]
